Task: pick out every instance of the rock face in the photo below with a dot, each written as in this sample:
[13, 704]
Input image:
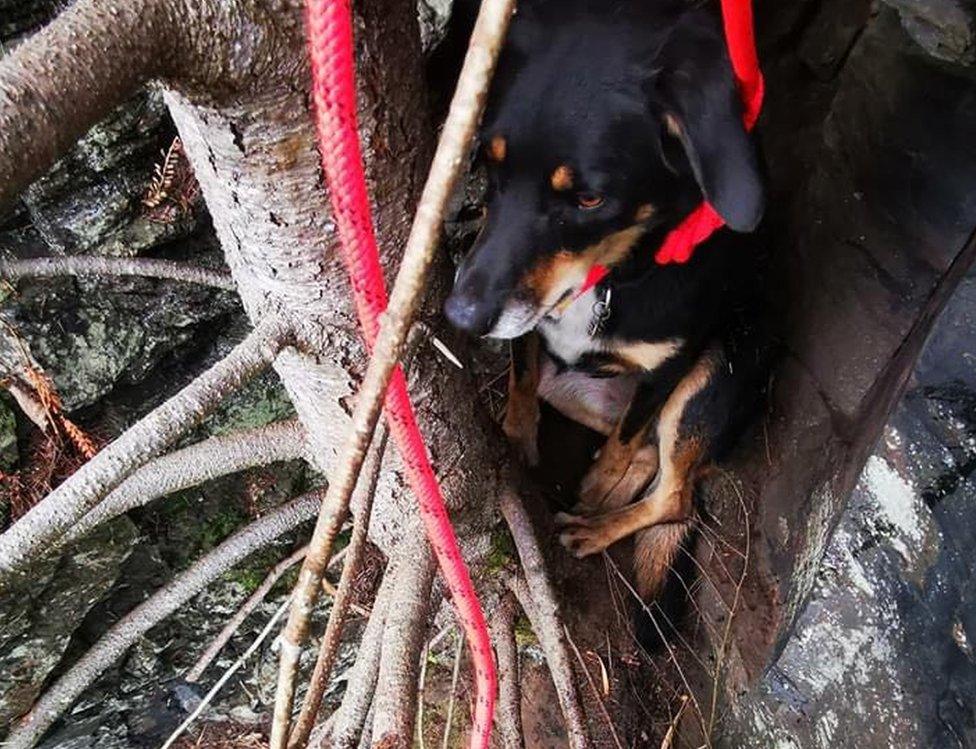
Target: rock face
[868, 135]
[883, 652]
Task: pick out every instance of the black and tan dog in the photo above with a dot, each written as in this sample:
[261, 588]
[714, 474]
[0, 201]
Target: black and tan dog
[608, 122]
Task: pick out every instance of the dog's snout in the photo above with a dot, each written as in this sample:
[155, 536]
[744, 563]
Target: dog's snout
[468, 313]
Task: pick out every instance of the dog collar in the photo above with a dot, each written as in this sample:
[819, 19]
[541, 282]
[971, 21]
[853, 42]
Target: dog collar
[680, 243]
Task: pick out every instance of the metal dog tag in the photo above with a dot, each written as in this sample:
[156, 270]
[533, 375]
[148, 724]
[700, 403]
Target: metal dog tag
[601, 313]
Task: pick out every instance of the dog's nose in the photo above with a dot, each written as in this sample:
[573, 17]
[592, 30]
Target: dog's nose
[467, 313]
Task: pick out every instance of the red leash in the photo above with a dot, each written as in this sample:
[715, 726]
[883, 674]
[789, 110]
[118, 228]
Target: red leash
[331, 48]
[680, 243]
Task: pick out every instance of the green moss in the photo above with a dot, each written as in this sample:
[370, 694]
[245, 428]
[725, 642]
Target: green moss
[502, 552]
[524, 634]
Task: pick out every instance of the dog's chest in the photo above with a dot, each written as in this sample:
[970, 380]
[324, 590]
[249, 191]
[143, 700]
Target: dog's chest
[568, 337]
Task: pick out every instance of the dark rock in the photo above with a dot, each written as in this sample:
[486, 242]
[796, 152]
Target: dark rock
[38, 619]
[943, 28]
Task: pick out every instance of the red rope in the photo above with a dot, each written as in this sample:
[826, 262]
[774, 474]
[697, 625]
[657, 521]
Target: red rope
[680, 243]
[331, 49]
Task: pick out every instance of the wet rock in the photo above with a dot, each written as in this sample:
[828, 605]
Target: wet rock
[883, 651]
[8, 436]
[38, 620]
[943, 28]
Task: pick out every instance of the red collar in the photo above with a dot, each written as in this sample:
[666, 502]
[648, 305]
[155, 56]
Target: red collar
[680, 243]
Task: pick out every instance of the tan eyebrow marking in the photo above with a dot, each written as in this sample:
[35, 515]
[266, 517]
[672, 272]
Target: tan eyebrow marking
[644, 212]
[497, 148]
[562, 178]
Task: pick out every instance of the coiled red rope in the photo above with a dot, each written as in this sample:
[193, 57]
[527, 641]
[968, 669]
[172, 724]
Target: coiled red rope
[330, 38]
[680, 243]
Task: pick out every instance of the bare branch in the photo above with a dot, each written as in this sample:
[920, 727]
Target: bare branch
[508, 713]
[253, 601]
[448, 163]
[538, 599]
[395, 702]
[195, 464]
[455, 672]
[65, 78]
[329, 646]
[226, 676]
[53, 516]
[59, 697]
[94, 265]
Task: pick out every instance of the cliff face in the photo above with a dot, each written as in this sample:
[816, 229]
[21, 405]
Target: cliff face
[870, 145]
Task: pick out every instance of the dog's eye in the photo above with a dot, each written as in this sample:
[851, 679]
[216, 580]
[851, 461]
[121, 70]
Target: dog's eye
[589, 200]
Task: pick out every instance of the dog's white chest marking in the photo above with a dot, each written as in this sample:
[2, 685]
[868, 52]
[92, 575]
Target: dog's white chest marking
[568, 337]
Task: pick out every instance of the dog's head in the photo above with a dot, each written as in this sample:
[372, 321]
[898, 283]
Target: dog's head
[607, 120]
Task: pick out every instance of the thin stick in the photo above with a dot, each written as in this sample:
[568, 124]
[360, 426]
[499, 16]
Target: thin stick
[329, 646]
[421, 694]
[596, 692]
[543, 611]
[35, 532]
[93, 265]
[252, 602]
[455, 673]
[411, 282]
[209, 697]
[549, 629]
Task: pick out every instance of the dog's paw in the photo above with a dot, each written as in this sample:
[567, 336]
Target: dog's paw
[521, 426]
[580, 535]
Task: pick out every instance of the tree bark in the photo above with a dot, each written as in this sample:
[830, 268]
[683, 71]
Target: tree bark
[71, 74]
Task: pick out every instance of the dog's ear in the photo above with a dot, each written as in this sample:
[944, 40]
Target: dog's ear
[701, 108]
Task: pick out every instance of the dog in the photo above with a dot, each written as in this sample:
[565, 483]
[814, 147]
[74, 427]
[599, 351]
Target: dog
[607, 123]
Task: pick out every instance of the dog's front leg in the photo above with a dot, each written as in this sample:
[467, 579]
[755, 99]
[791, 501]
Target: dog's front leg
[521, 424]
[628, 461]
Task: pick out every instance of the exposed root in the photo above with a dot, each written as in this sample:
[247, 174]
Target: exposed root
[94, 265]
[329, 646]
[538, 599]
[113, 645]
[455, 673]
[73, 72]
[508, 712]
[395, 700]
[548, 627]
[348, 721]
[50, 519]
[192, 465]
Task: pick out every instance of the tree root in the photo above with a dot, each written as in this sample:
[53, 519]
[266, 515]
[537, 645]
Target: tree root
[59, 697]
[73, 72]
[195, 464]
[347, 723]
[395, 701]
[329, 646]
[537, 597]
[508, 712]
[47, 521]
[93, 265]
